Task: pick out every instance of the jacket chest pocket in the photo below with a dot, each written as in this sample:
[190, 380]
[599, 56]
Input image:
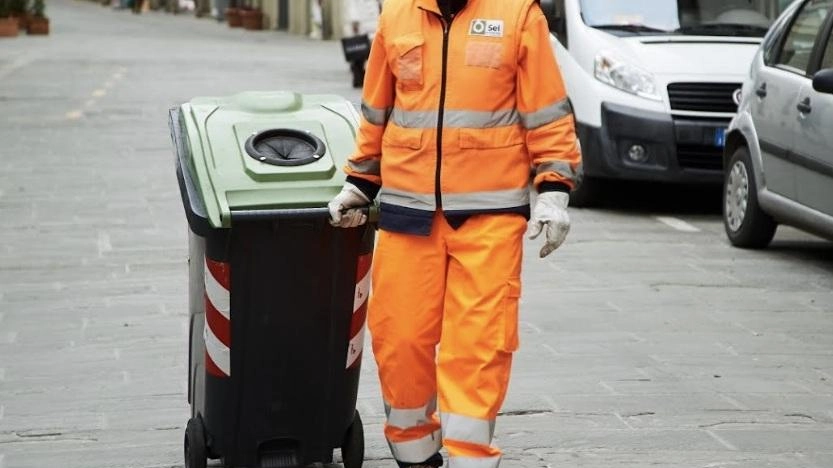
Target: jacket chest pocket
[408, 63]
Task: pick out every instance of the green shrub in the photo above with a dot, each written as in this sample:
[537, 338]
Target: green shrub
[38, 6]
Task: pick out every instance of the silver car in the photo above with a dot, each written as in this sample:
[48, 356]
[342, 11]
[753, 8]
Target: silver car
[778, 156]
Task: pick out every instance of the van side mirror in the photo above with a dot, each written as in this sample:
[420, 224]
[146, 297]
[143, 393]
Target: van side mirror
[823, 81]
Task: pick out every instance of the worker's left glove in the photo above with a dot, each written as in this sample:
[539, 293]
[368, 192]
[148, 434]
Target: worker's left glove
[350, 198]
[550, 213]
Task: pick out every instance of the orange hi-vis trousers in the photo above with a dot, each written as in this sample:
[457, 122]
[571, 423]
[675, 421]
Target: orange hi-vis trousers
[458, 289]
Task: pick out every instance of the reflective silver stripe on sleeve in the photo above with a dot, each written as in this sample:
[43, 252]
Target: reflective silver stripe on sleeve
[472, 462]
[375, 115]
[549, 114]
[368, 166]
[497, 199]
[416, 451]
[416, 201]
[467, 429]
[406, 418]
[455, 118]
[560, 167]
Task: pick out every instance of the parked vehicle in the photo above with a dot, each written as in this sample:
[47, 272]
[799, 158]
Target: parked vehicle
[654, 83]
[779, 148]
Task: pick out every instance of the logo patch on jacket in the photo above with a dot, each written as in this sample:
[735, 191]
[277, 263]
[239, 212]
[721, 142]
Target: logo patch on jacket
[485, 27]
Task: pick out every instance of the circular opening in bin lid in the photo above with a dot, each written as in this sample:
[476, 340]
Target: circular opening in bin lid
[285, 147]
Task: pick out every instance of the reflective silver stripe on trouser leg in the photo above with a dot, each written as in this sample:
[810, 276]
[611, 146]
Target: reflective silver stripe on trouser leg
[467, 429]
[417, 451]
[473, 462]
[406, 418]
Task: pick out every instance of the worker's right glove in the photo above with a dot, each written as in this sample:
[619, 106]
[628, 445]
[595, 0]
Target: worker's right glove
[350, 198]
[550, 213]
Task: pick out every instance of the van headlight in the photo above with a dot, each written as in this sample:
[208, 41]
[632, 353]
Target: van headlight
[626, 77]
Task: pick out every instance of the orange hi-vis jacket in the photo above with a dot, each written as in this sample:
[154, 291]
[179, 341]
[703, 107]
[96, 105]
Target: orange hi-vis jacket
[455, 112]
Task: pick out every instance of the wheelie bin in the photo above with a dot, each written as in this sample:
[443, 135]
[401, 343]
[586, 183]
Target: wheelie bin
[277, 296]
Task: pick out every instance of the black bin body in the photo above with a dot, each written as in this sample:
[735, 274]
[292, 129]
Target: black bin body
[289, 395]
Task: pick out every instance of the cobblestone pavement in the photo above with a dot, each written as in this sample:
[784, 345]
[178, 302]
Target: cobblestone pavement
[647, 340]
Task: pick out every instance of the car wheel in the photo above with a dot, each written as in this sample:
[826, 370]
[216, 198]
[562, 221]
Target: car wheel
[746, 224]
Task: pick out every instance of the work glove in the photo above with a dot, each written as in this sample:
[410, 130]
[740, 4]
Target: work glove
[348, 199]
[550, 212]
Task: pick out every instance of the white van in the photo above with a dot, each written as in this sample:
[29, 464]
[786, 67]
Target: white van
[654, 83]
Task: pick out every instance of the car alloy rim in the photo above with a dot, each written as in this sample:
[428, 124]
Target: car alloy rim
[737, 195]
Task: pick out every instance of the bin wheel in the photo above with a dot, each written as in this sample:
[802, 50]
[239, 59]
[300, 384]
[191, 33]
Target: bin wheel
[352, 448]
[195, 453]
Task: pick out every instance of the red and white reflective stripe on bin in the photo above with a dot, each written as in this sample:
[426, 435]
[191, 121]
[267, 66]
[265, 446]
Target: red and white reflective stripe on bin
[357, 324]
[217, 318]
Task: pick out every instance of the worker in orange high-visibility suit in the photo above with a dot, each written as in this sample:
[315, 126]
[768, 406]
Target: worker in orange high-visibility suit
[460, 100]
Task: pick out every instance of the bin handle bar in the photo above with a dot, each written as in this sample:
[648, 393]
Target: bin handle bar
[287, 213]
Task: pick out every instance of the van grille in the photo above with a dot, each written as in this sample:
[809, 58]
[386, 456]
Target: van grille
[703, 97]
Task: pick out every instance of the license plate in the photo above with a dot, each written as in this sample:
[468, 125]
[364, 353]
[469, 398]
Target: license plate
[720, 137]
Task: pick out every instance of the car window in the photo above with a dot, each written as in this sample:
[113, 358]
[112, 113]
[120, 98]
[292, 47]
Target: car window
[798, 45]
[827, 61]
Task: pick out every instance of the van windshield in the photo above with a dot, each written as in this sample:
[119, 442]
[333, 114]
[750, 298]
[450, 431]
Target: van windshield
[749, 18]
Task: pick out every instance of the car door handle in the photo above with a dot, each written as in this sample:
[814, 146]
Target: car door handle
[761, 91]
[804, 106]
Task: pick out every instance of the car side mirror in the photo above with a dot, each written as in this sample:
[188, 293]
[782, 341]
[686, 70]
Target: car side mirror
[823, 81]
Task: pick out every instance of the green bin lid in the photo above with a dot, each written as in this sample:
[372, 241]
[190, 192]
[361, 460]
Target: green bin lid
[267, 150]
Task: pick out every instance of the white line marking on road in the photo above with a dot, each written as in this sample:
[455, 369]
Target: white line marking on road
[531, 325]
[125, 376]
[734, 402]
[2, 463]
[722, 441]
[614, 307]
[698, 269]
[623, 421]
[550, 402]
[608, 388]
[108, 84]
[637, 338]
[550, 349]
[729, 348]
[85, 322]
[676, 223]
[103, 422]
[10, 338]
[744, 327]
[89, 103]
[99, 92]
[117, 354]
[2, 412]
[74, 115]
[104, 245]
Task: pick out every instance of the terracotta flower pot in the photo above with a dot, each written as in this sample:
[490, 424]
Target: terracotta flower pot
[38, 25]
[252, 19]
[22, 21]
[233, 17]
[8, 27]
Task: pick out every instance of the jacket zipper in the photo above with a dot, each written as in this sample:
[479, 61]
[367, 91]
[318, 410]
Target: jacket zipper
[441, 115]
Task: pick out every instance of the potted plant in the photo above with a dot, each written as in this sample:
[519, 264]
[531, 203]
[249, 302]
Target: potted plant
[232, 14]
[38, 22]
[18, 11]
[252, 17]
[8, 25]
